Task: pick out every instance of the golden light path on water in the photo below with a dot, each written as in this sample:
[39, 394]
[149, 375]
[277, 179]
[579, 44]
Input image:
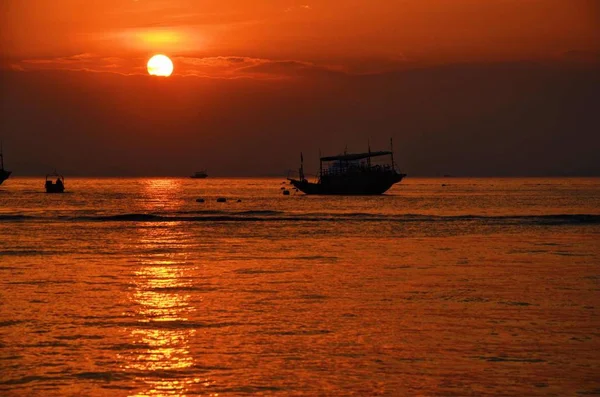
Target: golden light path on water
[162, 305]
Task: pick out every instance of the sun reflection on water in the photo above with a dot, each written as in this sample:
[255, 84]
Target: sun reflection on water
[157, 292]
[162, 194]
[162, 312]
[163, 360]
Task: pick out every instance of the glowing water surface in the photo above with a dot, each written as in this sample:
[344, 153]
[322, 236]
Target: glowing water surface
[447, 286]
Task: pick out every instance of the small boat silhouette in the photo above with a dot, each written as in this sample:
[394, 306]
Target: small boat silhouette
[55, 187]
[199, 174]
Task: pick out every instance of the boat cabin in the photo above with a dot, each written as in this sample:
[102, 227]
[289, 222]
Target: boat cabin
[345, 164]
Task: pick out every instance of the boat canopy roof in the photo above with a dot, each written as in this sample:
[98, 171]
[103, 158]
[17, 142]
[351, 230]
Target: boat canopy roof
[54, 174]
[355, 156]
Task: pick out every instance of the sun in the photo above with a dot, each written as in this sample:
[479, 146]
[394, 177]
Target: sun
[160, 65]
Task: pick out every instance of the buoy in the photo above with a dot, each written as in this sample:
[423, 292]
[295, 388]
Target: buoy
[286, 192]
[239, 201]
[200, 200]
[221, 200]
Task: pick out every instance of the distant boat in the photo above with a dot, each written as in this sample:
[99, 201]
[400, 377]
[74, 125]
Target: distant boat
[4, 174]
[351, 174]
[199, 174]
[55, 187]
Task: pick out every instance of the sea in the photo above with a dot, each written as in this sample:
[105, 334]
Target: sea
[440, 287]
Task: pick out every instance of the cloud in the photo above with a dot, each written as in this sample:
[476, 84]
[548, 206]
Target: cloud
[83, 62]
[69, 60]
[16, 67]
[300, 8]
[221, 67]
[247, 67]
[291, 69]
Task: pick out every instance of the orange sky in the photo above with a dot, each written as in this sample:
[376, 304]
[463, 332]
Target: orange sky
[118, 35]
[466, 87]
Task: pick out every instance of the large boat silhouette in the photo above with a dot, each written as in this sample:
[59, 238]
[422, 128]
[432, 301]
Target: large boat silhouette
[351, 174]
[4, 174]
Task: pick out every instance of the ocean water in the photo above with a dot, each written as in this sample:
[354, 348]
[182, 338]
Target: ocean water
[457, 287]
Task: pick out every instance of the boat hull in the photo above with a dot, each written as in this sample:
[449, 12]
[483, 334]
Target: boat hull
[54, 188]
[4, 175]
[372, 185]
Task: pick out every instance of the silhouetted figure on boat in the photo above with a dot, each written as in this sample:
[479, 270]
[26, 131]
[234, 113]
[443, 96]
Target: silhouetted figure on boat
[56, 187]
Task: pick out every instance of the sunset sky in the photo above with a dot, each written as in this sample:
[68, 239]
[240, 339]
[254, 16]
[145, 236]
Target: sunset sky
[510, 80]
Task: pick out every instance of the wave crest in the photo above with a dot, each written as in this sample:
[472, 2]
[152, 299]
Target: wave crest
[279, 216]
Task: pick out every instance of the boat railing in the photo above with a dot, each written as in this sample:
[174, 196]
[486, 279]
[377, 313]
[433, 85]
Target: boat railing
[355, 168]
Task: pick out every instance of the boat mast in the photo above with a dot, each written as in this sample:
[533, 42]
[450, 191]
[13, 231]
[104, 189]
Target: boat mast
[392, 150]
[369, 158]
[345, 161]
[301, 167]
[320, 164]
[1, 157]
